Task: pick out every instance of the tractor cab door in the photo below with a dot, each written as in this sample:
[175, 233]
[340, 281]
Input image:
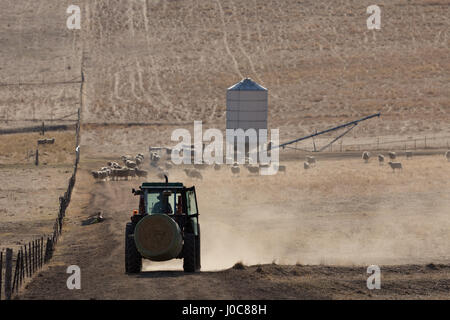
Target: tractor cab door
[192, 209]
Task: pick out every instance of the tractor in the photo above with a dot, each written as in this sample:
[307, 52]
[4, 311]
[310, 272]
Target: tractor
[165, 227]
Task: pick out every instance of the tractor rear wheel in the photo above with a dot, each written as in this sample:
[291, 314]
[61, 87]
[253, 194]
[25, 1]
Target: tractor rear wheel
[189, 253]
[198, 264]
[133, 259]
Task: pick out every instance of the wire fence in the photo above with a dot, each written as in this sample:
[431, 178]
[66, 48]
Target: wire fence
[376, 144]
[16, 267]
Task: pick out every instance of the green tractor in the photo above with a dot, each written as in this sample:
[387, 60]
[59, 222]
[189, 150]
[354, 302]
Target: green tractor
[165, 227]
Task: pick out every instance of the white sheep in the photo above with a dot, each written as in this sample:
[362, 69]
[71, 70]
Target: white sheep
[381, 159]
[235, 168]
[392, 155]
[130, 164]
[306, 165]
[366, 156]
[311, 160]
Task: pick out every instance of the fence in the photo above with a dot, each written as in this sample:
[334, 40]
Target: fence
[376, 143]
[32, 256]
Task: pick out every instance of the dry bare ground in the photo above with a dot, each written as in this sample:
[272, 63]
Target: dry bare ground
[29, 194]
[167, 63]
[308, 234]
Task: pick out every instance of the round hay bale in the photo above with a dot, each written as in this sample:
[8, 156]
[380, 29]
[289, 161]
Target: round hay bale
[158, 237]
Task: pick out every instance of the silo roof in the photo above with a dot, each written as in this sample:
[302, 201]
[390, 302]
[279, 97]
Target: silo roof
[247, 84]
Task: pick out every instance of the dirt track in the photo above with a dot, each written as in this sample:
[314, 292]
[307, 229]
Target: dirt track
[98, 250]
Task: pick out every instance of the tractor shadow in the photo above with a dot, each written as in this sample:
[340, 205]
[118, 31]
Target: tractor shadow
[166, 274]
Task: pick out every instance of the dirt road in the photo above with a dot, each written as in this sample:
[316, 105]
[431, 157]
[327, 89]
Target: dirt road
[98, 250]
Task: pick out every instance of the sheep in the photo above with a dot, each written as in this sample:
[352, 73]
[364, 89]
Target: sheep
[168, 165]
[46, 141]
[380, 159]
[216, 166]
[311, 160]
[200, 166]
[114, 165]
[131, 172]
[99, 175]
[103, 174]
[154, 158]
[253, 169]
[138, 161]
[94, 174]
[235, 168]
[126, 157]
[264, 165]
[408, 154]
[306, 165]
[447, 155]
[193, 173]
[392, 155]
[395, 165]
[366, 156]
[130, 164]
[141, 173]
[120, 173]
[282, 168]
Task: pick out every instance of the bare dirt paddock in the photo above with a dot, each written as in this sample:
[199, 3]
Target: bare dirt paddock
[28, 193]
[308, 234]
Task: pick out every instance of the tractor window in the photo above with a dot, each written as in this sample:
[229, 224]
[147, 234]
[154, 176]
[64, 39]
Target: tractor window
[191, 203]
[157, 202]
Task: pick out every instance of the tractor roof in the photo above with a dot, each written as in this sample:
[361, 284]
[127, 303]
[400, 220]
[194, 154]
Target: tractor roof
[162, 185]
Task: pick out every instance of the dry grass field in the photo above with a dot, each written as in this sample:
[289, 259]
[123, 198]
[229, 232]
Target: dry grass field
[151, 66]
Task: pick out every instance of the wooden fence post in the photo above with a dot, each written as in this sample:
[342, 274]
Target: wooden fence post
[42, 251]
[22, 267]
[33, 256]
[16, 273]
[26, 260]
[8, 274]
[36, 257]
[36, 160]
[29, 259]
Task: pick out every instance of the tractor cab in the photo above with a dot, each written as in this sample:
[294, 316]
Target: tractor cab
[172, 199]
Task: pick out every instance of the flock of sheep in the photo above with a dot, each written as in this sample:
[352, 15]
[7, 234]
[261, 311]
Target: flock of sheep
[114, 171]
[131, 166]
[392, 156]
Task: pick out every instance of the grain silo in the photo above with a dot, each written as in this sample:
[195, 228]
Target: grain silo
[247, 109]
[247, 106]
